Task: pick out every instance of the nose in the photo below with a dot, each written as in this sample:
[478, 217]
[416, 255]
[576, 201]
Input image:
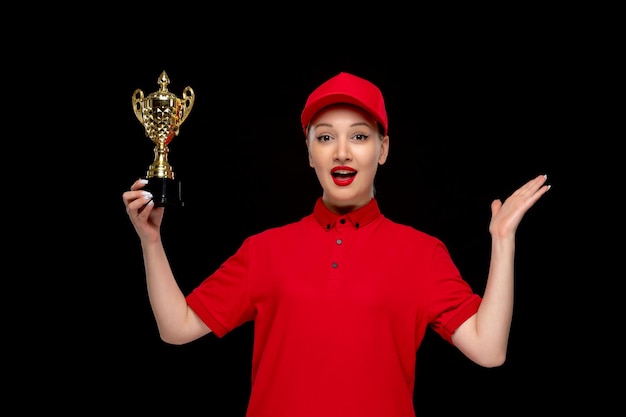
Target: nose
[342, 150]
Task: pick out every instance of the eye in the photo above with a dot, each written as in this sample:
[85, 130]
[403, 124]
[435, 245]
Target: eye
[360, 137]
[324, 138]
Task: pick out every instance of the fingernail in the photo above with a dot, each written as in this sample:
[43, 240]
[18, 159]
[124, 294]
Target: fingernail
[147, 195]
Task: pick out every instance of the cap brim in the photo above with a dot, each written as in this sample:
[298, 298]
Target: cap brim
[336, 98]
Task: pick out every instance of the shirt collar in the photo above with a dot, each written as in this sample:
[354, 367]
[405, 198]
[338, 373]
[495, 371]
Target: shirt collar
[359, 217]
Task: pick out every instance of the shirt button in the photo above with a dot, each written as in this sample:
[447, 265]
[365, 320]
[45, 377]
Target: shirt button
[339, 241]
[335, 265]
[342, 221]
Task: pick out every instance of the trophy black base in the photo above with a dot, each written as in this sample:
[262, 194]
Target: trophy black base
[166, 192]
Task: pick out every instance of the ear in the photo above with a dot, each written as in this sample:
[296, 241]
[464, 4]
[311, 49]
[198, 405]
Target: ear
[384, 150]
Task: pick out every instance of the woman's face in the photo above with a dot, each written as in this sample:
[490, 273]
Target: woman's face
[345, 149]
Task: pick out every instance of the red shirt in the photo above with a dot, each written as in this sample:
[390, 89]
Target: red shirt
[340, 305]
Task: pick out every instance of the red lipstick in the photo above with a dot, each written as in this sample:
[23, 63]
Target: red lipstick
[343, 175]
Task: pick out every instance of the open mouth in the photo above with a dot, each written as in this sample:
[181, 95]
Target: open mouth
[343, 174]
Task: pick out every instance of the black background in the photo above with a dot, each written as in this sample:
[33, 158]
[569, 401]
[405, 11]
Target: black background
[476, 108]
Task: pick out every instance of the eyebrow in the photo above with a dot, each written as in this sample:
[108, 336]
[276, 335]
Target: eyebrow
[352, 125]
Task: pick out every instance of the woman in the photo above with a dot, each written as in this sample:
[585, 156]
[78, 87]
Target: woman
[342, 298]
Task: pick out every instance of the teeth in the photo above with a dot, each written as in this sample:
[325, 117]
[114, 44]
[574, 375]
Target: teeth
[344, 173]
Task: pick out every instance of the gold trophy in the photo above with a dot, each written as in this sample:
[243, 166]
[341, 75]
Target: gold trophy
[161, 113]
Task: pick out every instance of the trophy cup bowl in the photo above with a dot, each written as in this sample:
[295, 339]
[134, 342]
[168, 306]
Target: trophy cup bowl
[161, 113]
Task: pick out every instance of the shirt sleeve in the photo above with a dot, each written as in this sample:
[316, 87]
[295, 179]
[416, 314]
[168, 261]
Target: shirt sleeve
[454, 301]
[222, 300]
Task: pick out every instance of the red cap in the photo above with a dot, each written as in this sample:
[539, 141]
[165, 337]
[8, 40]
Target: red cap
[346, 88]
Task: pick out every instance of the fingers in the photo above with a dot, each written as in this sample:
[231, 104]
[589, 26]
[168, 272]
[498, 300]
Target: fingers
[137, 200]
[148, 202]
[138, 184]
[532, 187]
[538, 181]
[535, 188]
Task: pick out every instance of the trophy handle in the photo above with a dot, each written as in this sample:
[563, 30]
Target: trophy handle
[137, 103]
[188, 99]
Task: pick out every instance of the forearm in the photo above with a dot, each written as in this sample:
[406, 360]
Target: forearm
[166, 298]
[484, 337]
[493, 319]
